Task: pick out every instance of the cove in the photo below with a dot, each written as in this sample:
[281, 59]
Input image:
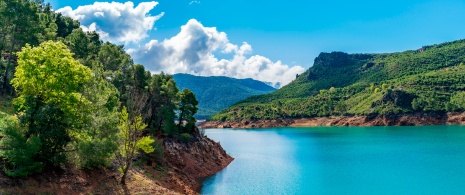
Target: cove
[341, 160]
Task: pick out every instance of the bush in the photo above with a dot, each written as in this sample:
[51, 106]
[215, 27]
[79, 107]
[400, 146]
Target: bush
[94, 152]
[18, 151]
[185, 137]
[158, 155]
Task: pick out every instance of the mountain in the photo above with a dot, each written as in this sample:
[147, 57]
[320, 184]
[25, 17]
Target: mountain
[217, 92]
[430, 79]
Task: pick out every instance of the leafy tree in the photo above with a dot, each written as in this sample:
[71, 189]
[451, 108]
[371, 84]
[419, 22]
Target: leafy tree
[65, 25]
[19, 25]
[187, 109]
[47, 24]
[49, 81]
[50, 73]
[131, 141]
[96, 142]
[82, 46]
[162, 103]
[458, 101]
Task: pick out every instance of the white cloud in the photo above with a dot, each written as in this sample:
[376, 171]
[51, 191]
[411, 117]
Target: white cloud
[194, 2]
[115, 22]
[193, 50]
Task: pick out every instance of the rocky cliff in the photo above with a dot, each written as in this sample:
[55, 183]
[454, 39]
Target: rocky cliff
[194, 160]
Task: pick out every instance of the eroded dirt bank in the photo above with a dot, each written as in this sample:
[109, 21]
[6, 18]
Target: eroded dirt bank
[370, 120]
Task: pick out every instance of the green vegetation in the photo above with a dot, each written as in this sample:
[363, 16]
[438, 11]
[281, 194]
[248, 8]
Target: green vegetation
[130, 141]
[431, 79]
[68, 98]
[217, 93]
[187, 109]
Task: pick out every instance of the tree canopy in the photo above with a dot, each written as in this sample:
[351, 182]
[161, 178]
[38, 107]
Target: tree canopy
[69, 88]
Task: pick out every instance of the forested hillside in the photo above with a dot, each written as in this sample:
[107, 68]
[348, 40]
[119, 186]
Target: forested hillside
[216, 93]
[430, 79]
[68, 98]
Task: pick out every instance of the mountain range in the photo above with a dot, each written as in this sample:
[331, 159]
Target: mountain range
[215, 93]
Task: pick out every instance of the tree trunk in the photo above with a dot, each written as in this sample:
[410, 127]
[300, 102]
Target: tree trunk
[125, 172]
[13, 44]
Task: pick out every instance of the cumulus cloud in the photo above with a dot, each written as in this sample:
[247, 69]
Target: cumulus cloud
[193, 51]
[115, 22]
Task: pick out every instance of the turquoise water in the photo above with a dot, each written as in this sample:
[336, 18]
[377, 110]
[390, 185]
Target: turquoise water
[341, 160]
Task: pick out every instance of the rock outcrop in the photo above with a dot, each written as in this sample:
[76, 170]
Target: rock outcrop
[194, 160]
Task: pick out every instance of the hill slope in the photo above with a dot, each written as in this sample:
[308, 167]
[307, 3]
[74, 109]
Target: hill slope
[430, 79]
[217, 92]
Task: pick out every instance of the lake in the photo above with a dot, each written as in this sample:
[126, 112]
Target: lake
[341, 160]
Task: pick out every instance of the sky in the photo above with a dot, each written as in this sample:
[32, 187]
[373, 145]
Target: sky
[269, 40]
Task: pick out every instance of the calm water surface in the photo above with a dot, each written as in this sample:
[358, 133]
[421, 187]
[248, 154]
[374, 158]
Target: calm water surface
[341, 160]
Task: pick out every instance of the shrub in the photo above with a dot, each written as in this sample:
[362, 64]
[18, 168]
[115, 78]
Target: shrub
[185, 137]
[158, 154]
[18, 151]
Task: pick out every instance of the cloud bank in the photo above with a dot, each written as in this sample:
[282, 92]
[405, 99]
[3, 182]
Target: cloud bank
[195, 48]
[115, 22]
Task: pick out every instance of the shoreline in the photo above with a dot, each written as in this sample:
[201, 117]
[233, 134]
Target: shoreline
[409, 119]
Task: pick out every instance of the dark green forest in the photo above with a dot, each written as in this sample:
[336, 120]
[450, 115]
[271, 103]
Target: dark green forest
[69, 98]
[430, 79]
[216, 93]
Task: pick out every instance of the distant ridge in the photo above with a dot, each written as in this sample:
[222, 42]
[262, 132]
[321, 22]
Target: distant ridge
[215, 93]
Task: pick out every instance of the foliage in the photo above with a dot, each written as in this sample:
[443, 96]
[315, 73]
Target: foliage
[130, 141]
[50, 73]
[457, 102]
[187, 109]
[23, 21]
[18, 151]
[48, 81]
[186, 137]
[96, 142]
[68, 88]
[162, 104]
[158, 154]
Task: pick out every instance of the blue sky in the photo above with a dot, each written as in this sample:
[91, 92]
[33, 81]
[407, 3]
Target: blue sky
[294, 32]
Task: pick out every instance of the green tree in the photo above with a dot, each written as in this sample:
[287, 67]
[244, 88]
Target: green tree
[458, 101]
[162, 103]
[84, 45]
[19, 25]
[65, 25]
[130, 141]
[48, 27]
[187, 109]
[49, 83]
[96, 142]
[50, 73]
